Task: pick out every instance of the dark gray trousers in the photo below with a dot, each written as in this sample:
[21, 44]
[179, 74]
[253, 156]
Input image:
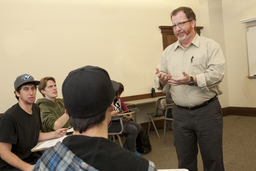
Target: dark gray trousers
[201, 127]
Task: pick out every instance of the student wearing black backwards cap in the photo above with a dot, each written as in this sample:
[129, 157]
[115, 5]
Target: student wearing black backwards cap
[20, 128]
[88, 97]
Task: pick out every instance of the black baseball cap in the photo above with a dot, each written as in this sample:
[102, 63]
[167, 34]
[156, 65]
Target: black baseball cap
[87, 91]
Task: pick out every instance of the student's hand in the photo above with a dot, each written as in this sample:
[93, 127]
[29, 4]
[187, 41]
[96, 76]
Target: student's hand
[184, 80]
[60, 132]
[114, 113]
[127, 118]
[31, 167]
[163, 78]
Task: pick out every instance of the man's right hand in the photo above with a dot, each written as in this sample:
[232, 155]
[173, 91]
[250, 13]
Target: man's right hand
[163, 78]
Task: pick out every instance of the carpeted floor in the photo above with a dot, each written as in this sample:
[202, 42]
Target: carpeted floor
[239, 146]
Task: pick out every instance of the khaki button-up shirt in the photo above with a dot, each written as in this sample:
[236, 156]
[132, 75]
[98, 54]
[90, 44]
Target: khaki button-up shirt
[204, 59]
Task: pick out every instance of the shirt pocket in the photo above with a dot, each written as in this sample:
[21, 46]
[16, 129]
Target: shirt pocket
[198, 64]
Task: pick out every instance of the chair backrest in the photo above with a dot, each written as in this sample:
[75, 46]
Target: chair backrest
[168, 108]
[169, 98]
[159, 107]
[116, 126]
[162, 105]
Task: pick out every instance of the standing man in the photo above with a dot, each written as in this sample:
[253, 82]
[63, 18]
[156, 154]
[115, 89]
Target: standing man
[20, 128]
[191, 69]
[88, 96]
[52, 109]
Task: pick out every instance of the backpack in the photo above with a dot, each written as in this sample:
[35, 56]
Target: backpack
[142, 142]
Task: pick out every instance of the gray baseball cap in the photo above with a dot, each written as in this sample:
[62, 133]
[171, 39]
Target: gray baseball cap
[115, 85]
[23, 79]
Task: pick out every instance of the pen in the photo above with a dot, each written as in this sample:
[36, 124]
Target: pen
[192, 59]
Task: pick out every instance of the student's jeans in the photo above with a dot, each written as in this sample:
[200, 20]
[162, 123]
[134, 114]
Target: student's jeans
[132, 129]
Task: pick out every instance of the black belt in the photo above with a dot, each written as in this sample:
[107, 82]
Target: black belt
[199, 106]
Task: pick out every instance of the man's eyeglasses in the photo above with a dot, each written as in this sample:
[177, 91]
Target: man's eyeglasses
[181, 24]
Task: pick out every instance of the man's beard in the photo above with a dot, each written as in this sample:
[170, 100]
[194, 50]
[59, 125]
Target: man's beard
[183, 37]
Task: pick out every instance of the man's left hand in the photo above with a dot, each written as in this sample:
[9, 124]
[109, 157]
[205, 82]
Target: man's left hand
[184, 80]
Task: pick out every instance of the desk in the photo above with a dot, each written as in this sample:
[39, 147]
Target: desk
[143, 101]
[145, 106]
[44, 145]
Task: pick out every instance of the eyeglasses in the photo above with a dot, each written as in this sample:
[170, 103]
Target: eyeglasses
[181, 24]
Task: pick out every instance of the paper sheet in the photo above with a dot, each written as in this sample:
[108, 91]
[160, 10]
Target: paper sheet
[70, 130]
[43, 145]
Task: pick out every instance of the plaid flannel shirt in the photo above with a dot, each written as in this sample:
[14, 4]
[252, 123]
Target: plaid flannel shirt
[61, 158]
[151, 166]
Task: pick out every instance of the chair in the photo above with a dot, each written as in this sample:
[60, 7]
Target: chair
[167, 117]
[133, 111]
[160, 109]
[116, 128]
[168, 112]
[163, 107]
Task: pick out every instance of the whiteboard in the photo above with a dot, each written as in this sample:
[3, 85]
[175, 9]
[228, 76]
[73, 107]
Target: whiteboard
[251, 48]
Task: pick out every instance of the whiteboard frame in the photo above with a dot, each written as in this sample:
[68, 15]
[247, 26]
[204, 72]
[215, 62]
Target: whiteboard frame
[250, 75]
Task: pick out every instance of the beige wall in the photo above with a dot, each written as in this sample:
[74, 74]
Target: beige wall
[211, 18]
[242, 91]
[52, 37]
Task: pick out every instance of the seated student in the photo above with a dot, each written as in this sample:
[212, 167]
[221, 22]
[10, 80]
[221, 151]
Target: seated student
[132, 129]
[20, 128]
[52, 109]
[88, 97]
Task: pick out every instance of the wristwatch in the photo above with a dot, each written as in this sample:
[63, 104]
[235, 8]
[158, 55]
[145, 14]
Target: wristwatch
[191, 83]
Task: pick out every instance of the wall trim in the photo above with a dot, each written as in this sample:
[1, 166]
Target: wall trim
[142, 96]
[243, 111]
[239, 111]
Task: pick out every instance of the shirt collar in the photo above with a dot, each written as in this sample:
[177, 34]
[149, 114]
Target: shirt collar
[195, 42]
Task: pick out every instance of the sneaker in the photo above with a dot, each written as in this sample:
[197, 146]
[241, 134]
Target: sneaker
[137, 153]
